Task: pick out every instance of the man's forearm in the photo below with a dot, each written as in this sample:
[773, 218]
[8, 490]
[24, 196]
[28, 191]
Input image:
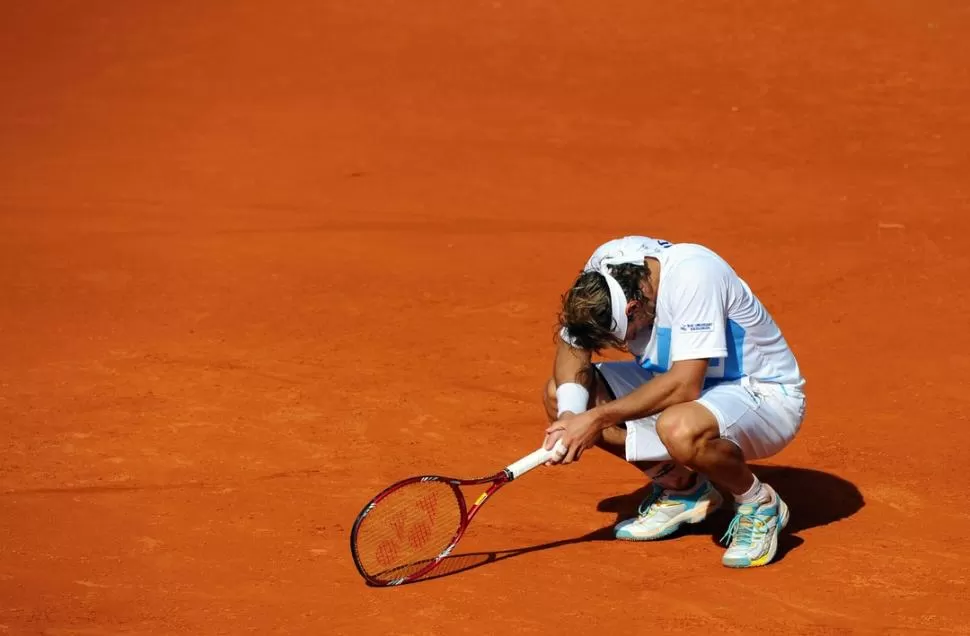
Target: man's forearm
[661, 392]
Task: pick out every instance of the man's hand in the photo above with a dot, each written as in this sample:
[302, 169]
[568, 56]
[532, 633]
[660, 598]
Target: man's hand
[577, 432]
[553, 437]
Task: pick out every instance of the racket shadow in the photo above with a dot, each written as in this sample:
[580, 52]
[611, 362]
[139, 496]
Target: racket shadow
[458, 563]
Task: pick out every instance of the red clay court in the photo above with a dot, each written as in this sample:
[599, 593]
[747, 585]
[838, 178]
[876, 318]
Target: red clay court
[259, 260]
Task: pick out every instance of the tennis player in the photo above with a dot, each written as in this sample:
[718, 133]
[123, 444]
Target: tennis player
[712, 386]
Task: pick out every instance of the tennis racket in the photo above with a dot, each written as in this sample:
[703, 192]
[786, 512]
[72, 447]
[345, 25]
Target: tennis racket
[409, 527]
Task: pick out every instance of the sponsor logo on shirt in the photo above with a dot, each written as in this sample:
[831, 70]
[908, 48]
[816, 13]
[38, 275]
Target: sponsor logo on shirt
[697, 327]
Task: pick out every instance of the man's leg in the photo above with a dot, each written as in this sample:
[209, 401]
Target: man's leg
[691, 434]
[679, 495]
[692, 437]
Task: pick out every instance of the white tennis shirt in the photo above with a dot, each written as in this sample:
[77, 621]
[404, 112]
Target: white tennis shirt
[704, 310]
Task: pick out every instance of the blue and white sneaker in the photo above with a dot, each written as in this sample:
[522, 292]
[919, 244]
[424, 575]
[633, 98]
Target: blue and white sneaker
[664, 511]
[753, 533]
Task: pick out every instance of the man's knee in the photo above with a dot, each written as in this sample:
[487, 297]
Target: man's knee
[685, 428]
[549, 400]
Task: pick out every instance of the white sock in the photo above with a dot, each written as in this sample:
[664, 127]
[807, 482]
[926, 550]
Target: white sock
[754, 494]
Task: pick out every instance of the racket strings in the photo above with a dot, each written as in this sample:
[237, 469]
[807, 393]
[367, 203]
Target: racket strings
[407, 529]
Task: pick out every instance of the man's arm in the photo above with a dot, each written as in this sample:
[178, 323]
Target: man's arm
[573, 373]
[572, 365]
[683, 383]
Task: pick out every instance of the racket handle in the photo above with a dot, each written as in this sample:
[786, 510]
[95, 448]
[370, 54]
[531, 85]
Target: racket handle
[535, 459]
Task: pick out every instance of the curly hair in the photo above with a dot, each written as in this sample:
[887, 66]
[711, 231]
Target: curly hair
[587, 313]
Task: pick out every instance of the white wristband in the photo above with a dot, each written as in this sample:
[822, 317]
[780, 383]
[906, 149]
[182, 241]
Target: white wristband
[572, 397]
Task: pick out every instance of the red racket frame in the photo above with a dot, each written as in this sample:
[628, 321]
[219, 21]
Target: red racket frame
[467, 514]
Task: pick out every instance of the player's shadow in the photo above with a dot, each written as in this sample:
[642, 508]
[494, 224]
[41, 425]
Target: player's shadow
[815, 498]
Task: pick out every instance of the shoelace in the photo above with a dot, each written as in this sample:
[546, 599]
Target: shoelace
[652, 498]
[658, 496]
[743, 529]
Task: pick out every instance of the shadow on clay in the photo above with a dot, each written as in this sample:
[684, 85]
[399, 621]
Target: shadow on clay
[815, 499]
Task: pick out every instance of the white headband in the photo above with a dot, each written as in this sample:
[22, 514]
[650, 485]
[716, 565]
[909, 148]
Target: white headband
[618, 304]
[629, 249]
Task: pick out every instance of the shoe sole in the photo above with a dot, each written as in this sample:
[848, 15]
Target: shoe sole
[696, 514]
[773, 546]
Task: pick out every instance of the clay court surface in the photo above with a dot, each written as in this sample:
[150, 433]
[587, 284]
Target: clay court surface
[259, 260]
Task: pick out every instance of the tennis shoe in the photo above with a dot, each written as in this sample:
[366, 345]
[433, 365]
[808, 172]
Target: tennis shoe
[663, 512]
[753, 533]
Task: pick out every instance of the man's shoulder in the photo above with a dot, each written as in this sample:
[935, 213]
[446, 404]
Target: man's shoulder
[694, 274]
[692, 260]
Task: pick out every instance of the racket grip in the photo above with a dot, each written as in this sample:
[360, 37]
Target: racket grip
[535, 459]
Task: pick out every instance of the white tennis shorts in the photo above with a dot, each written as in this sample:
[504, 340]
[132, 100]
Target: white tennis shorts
[760, 417]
